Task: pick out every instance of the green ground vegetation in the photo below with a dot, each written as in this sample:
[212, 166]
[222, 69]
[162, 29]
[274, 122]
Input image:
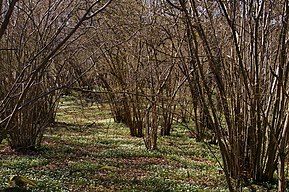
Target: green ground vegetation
[86, 151]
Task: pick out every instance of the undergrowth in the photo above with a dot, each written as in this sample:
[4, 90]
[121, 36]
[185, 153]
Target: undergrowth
[86, 151]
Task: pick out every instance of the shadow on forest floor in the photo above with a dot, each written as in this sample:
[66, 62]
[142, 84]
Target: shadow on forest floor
[86, 151]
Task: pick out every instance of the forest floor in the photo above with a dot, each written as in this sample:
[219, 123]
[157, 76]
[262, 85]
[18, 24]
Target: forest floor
[87, 151]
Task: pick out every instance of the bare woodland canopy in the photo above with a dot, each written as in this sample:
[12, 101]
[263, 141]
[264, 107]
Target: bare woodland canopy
[220, 65]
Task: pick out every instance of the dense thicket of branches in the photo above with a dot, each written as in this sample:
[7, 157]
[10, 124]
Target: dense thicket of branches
[243, 45]
[218, 67]
[34, 35]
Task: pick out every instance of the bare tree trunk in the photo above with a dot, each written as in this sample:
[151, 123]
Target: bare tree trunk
[29, 72]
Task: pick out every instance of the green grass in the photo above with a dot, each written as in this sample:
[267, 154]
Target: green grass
[87, 151]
